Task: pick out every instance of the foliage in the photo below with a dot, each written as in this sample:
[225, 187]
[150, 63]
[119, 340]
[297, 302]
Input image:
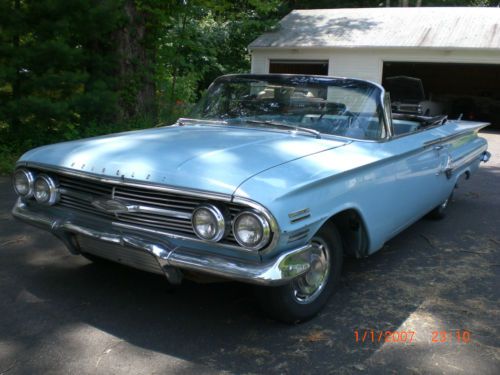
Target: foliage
[56, 70]
[201, 41]
[8, 157]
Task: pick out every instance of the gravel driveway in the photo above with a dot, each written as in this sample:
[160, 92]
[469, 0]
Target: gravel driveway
[61, 314]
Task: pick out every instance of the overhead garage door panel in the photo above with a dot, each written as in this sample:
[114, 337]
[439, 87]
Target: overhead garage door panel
[315, 67]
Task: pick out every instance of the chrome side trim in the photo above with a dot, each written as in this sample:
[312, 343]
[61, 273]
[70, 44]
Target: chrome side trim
[448, 138]
[466, 159]
[425, 128]
[299, 215]
[278, 271]
[298, 235]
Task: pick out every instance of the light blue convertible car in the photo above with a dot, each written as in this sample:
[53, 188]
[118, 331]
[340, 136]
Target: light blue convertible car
[271, 182]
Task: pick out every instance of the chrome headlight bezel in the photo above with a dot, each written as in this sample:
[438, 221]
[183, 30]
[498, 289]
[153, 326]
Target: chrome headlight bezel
[30, 177]
[265, 228]
[220, 222]
[53, 190]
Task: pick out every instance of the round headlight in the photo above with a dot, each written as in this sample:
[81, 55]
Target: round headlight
[209, 223]
[45, 190]
[23, 182]
[251, 230]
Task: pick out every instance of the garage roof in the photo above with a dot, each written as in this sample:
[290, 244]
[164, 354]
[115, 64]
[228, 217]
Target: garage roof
[424, 27]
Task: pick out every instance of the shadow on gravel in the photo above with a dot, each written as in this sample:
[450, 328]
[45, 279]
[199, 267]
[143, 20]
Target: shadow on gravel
[435, 276]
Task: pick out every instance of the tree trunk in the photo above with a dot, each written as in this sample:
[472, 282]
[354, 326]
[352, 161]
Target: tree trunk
[135, 67]
[15, 123]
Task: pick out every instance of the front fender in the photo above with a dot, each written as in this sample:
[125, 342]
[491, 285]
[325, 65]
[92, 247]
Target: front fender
[304, 194]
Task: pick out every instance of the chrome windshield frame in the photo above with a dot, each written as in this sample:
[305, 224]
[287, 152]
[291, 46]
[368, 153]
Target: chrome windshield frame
[294, 79]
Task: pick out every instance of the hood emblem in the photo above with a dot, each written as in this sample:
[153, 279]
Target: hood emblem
[111, 205]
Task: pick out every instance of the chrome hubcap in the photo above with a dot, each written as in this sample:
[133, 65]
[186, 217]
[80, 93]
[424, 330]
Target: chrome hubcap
[308, 287]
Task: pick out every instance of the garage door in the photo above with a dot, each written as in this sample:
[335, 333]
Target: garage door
[316, 67]
[470, 90]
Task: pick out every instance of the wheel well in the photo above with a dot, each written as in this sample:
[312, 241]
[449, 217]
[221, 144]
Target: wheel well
[353, 232]
[465, 175]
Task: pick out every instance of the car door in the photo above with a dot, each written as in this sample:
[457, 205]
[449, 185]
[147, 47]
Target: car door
[419, 162]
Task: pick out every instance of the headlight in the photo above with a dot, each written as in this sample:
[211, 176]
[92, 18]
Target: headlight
[251, 230]
[45, 190]
[23, 182]
[209, 223]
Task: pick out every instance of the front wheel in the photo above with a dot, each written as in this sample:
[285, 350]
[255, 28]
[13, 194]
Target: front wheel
[306, 295]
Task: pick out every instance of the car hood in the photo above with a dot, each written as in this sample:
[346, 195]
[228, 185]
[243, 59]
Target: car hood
[203, 157]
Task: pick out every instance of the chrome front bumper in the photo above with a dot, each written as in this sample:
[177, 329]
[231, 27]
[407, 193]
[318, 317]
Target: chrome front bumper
[171, 259]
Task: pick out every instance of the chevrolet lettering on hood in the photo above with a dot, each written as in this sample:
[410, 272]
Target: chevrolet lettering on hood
[270, 181]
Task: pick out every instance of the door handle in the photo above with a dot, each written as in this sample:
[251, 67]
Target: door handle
[438, 147]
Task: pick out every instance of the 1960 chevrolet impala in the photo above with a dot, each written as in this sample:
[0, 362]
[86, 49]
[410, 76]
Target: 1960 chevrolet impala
[272, 182]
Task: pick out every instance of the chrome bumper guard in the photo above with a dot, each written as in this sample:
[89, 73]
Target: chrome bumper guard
[277, 271]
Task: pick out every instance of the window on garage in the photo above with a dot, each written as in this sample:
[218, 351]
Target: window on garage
[315, 67]
[470, 90]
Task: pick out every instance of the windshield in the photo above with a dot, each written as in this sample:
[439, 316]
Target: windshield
[335, 106]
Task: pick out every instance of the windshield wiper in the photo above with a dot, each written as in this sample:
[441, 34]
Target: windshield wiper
[285, 126]
[184, 121]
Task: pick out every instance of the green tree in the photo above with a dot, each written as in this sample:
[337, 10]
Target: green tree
[202, 40]
[56, 68]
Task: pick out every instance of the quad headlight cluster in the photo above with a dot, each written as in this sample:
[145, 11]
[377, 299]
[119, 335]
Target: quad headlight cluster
[42, 187]
[250, 228]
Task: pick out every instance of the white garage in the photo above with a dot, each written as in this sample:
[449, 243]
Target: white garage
[454, 51]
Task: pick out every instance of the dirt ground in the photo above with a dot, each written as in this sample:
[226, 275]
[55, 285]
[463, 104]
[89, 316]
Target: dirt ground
[61, 314]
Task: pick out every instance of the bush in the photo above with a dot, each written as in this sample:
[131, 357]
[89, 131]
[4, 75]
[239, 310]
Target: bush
[11, 151]
[8, 157]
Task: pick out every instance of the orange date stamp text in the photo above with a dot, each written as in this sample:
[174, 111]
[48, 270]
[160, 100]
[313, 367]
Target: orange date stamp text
[460, 336]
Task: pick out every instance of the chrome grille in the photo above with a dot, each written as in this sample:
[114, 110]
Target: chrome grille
[78, 193]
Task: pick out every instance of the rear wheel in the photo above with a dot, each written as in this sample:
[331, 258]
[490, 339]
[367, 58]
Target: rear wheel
[439, 212]
[306, 295]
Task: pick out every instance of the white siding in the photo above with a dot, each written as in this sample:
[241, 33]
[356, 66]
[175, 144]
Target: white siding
[368, 63]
